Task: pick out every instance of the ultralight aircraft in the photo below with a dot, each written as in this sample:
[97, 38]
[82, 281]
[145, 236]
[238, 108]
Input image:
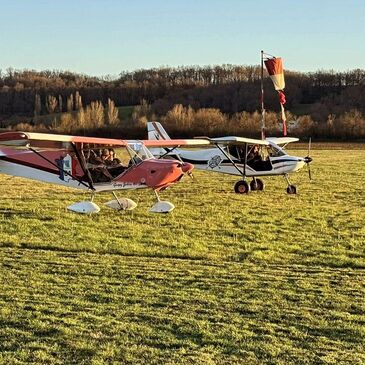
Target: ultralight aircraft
[80, 163]
[245, 157]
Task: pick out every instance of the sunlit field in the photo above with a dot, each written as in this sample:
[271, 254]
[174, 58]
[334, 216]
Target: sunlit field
[263, 278]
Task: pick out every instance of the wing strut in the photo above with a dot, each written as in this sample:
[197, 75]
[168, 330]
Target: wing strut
[82, 164]
[59, 168]
[169, 150]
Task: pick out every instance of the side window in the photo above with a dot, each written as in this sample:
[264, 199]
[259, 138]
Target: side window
[122, 155]
[232, 150]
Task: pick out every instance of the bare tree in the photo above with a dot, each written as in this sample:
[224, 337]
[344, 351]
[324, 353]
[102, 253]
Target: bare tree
[112, 113]
[81, 118]
[37, 105]
[95, 114]
[70, 103]
[78, 101]
[51, 103]
[142, 110]
[60, 103]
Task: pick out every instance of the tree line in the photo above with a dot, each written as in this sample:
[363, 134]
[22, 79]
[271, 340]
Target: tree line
[322, 96]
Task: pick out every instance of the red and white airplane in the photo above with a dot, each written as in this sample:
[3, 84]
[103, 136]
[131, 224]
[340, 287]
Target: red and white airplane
[76, 162]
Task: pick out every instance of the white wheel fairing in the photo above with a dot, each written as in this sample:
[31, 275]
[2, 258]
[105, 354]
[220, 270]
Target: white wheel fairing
[162, 207]
[84, 207]
[122, 204]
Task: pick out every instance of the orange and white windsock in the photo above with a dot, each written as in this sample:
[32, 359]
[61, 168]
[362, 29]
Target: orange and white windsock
[274, 67]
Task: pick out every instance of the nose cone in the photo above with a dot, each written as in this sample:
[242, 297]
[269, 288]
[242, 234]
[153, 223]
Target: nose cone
[159, 174]
[187, 167]
[308, 159]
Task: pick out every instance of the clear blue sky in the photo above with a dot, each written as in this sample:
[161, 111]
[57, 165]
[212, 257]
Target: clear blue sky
[100, 37]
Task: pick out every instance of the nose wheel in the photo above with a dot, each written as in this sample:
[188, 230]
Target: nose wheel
[257, 184]
[291, 189]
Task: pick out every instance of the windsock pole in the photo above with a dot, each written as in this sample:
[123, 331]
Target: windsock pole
[263, 132]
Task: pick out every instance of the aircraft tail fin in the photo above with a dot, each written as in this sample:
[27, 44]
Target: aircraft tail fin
[156, 131]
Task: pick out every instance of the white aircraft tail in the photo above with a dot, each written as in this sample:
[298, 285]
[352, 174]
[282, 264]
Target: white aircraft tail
[156, 131]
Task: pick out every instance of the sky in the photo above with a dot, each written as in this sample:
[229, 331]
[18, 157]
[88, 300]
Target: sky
[105, 37]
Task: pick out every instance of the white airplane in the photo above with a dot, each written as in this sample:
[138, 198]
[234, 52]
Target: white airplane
[240, 156]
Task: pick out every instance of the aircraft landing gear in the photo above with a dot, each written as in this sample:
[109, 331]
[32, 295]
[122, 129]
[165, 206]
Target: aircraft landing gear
[241, 187]
[162, 206]
[121, 203]
[291, 189]
[257, 184]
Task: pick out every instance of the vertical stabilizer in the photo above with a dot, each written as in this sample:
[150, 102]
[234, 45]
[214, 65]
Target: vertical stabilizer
[156, 131]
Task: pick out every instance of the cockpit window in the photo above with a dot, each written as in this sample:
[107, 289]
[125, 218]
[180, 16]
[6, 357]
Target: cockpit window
[138, 152]
[274, 151]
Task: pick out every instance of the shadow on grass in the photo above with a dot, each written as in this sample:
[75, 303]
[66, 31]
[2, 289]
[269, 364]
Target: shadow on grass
[13, 213]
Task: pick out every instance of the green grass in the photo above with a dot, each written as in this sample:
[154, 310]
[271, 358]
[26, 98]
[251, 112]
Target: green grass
[225, 279]
[125, 112]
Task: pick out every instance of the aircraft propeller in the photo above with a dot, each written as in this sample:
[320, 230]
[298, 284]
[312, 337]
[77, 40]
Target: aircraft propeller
[189, 173]
[309, 159]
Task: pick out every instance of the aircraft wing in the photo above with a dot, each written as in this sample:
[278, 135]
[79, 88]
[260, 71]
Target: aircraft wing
[48, 140]
[232, 140]
[13, 139]
[45, 140]
[282, 140]
[176, 142]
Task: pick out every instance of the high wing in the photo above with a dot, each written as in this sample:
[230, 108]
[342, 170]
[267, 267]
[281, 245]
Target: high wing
[232, 140]
[46, 140]
[51, 140]
[282, 140]
[176, 142]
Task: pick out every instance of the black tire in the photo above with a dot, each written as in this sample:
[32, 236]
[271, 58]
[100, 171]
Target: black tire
[291, 189]
[257, 184]
[241, 187]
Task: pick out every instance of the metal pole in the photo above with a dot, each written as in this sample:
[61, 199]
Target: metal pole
[262, 98]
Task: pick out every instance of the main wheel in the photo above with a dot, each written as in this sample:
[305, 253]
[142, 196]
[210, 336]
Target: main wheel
[291, 189]
[241, 187]
[257, 184]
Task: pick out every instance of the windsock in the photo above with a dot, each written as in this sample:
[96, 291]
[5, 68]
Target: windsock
[274, 67]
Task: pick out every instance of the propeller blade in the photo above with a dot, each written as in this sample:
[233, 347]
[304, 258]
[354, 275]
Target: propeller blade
[309, 172]
[308, 159]
[309, 146]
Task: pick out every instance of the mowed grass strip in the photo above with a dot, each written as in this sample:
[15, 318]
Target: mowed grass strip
[83, 308]
[322, 224]
[265, 278]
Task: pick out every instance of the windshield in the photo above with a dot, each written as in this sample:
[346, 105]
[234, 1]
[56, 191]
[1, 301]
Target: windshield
[138, 152]
[275, 151]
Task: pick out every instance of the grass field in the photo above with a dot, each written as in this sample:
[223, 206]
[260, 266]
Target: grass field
[266, 278]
